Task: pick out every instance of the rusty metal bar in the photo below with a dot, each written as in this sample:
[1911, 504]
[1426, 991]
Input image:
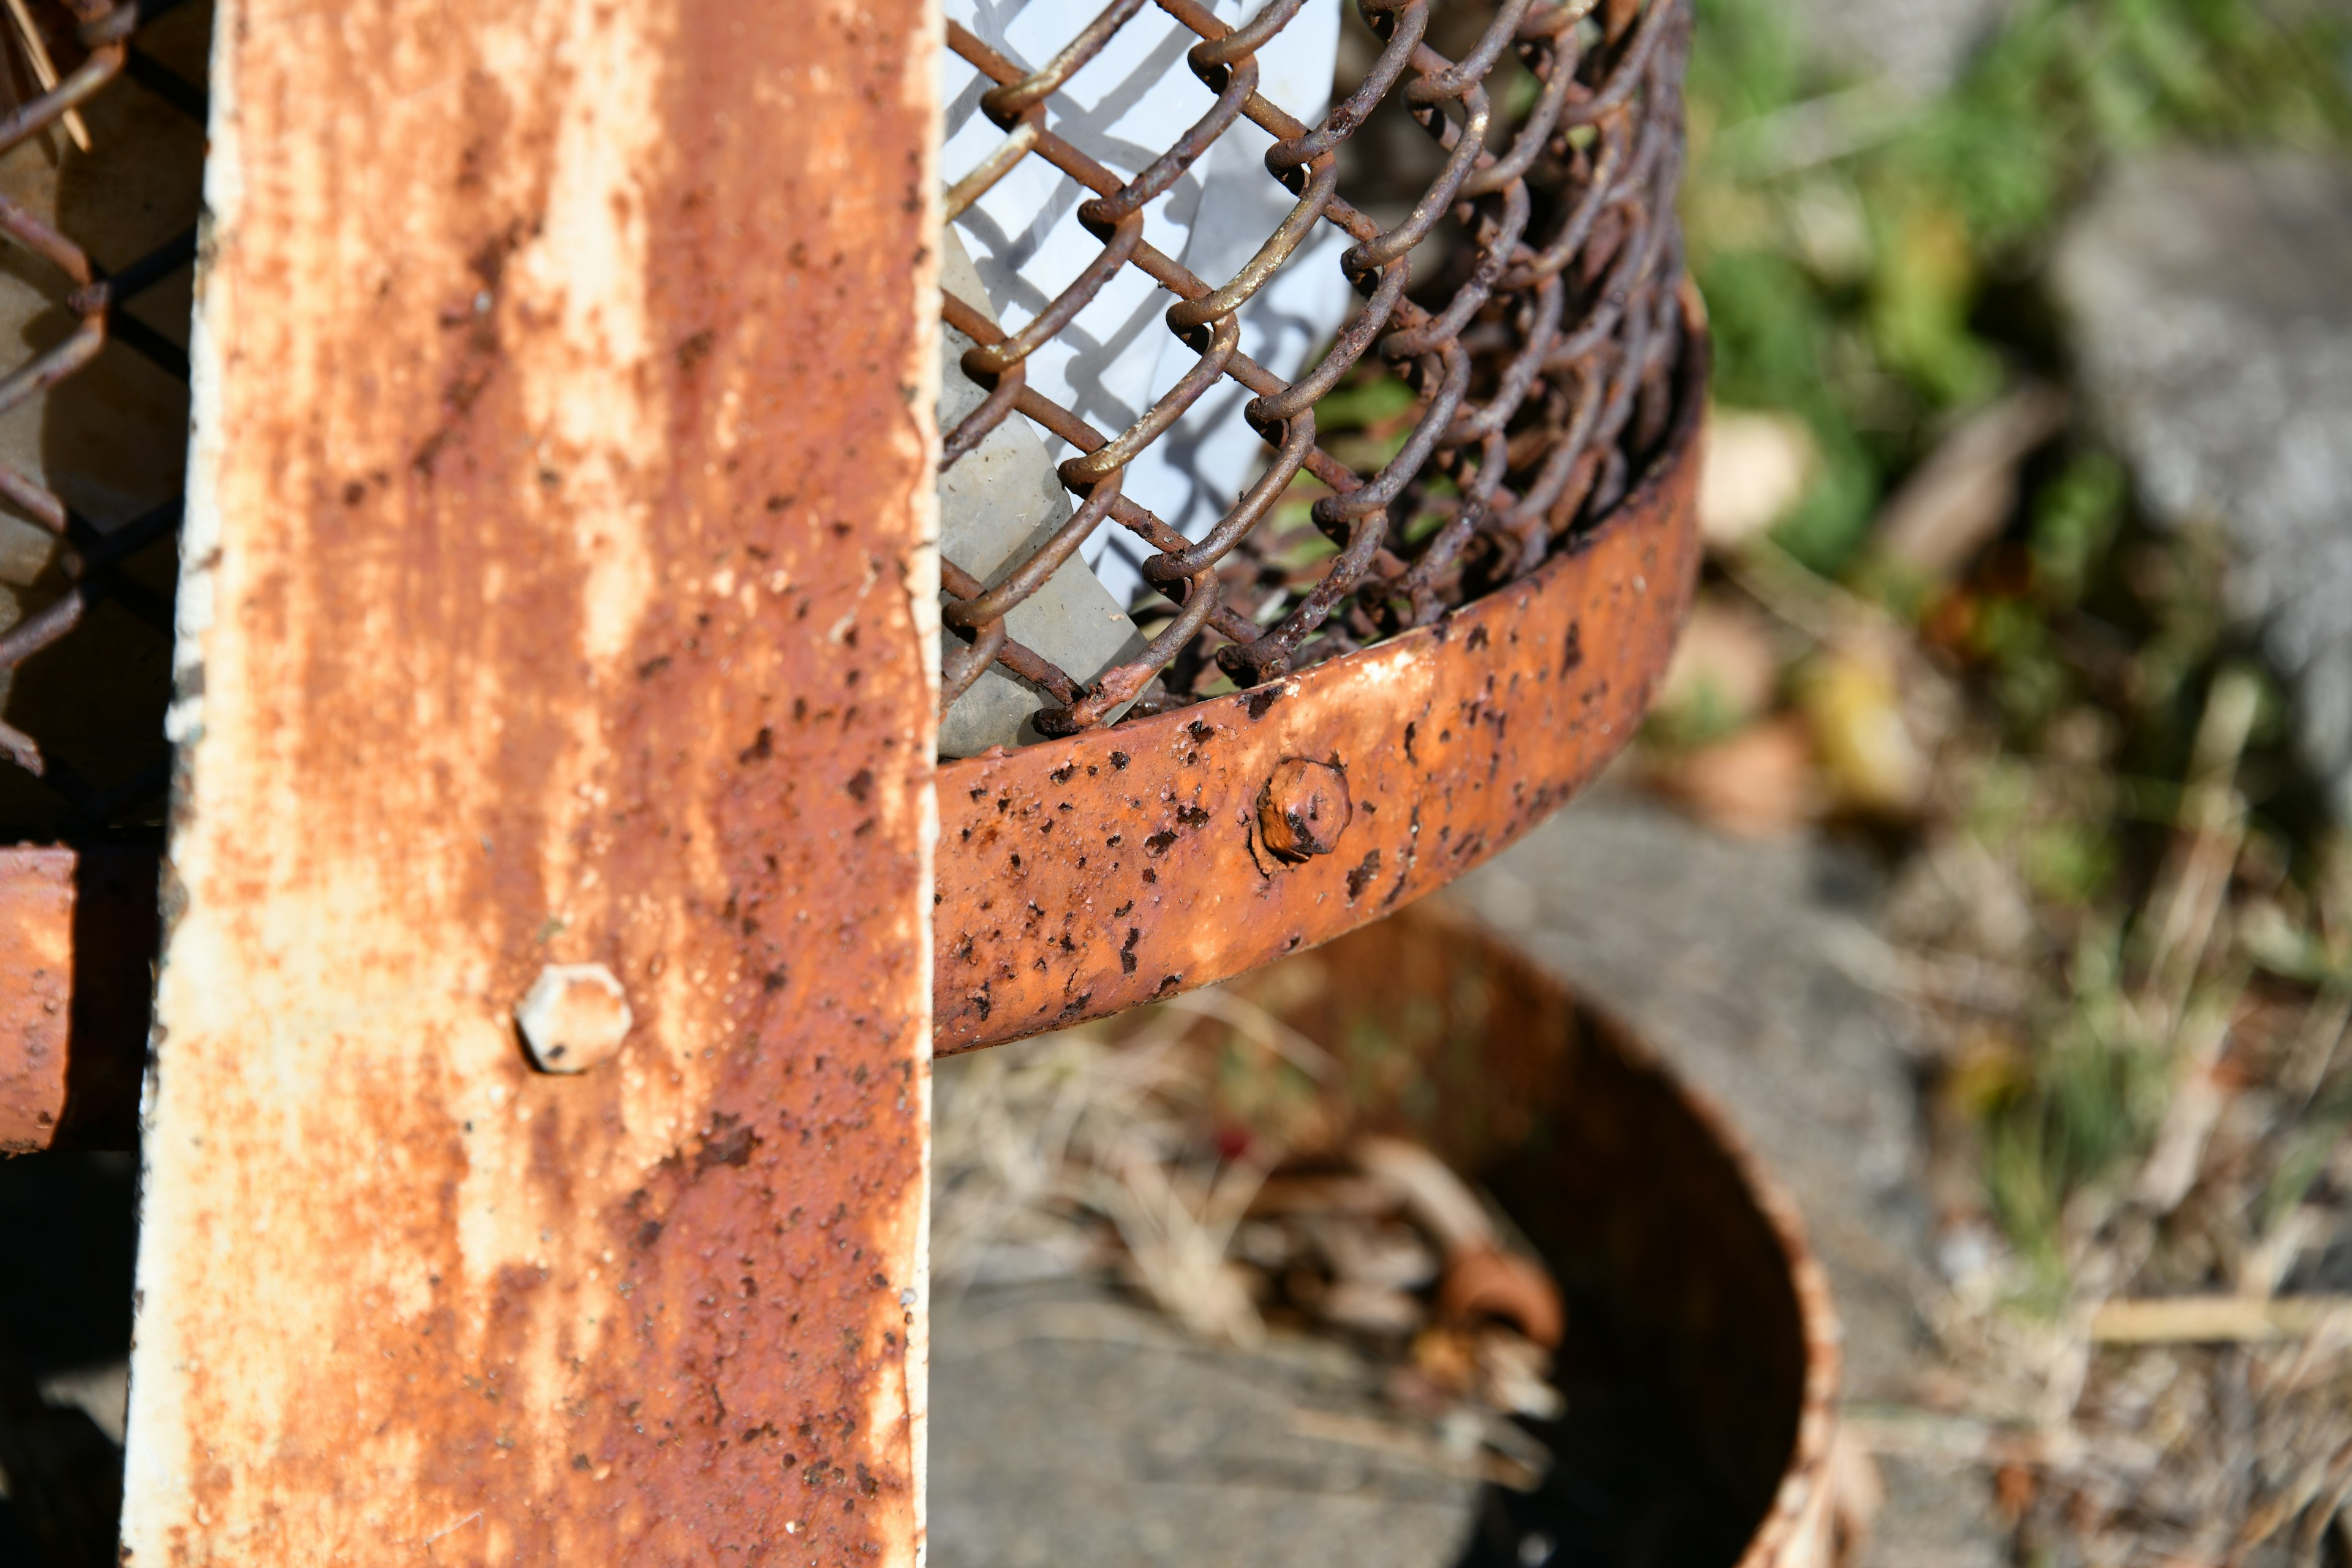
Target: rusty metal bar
[77, 942]
[559, 606]
[90, 560]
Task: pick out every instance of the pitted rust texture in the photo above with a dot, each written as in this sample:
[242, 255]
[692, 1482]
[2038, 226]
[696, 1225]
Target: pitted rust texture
[549, 602]
[1663, 1223]
[35, 993]
[1540, 360]
[1088, 875]
[76, 944]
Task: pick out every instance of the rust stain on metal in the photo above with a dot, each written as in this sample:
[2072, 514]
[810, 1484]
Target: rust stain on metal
[1090, 874]
[36, 905]
[76, 944]
[546, 602]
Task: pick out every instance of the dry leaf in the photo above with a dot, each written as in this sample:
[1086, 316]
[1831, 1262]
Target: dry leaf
[1446, 1358]
[1514, 1375]
[1370, 1308]
[1754, 470]
[1756, 783]
[1429, 1189]
[1956, 501]
[1488, 1282]
[1853, 701]
[1725, 669]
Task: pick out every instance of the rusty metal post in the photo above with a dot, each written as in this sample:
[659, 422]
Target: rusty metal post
[559, 590]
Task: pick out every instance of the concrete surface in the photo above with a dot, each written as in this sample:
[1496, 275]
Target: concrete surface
[2209, 299]
[1068, 1426]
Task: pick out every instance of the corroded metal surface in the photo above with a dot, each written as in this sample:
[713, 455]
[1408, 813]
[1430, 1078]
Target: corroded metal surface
[1542, 363]
[1089, 874]
[549, 600]
[36, 992]
[1536, 362]
[76, 942]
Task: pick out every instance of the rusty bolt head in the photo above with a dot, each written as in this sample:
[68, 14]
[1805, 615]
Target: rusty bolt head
[574, 1016]
[1304, 809]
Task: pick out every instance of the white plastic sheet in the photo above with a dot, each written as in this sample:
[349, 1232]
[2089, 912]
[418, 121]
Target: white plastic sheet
[1124, 109]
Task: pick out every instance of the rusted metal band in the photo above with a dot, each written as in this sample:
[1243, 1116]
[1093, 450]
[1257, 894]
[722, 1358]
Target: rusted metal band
[1090, 874]
[77, 947]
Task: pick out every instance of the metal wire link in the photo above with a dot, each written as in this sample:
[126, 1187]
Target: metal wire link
[90, 559]
[1538, 355]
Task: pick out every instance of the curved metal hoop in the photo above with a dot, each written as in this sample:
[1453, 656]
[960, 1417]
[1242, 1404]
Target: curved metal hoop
[1113, 868]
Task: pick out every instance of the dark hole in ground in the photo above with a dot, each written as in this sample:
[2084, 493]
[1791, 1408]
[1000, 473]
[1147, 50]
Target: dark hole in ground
[1625, 1488]
[1661, 1459]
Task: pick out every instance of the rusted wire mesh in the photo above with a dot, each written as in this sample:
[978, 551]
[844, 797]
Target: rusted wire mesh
[88, 562]
[1537, 350]
[1523, 306]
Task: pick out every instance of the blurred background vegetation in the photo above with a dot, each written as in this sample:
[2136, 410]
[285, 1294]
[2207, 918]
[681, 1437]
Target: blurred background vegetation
[1937, 619]
[1870, 259]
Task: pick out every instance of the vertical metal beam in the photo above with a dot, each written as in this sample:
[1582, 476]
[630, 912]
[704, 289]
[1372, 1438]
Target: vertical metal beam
[559, 589]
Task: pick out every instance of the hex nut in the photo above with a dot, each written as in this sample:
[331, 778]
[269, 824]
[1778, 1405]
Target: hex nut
[1303, 809]
[574, 1016]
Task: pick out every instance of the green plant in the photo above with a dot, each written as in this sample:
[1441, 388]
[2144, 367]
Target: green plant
[1873, 331]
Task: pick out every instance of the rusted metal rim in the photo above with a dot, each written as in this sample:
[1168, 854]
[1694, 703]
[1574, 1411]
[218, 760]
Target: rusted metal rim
[1801, 1527]
[1798, 1529]
[1679, 1250]
[1084, 876]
